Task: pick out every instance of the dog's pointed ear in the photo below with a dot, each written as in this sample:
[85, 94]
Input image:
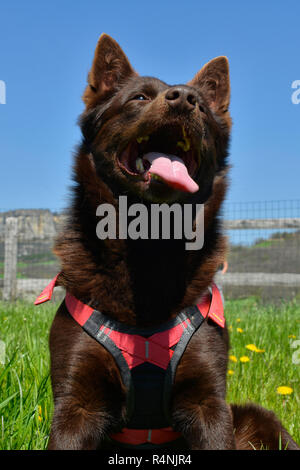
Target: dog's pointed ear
[214, 84]
[109, 69]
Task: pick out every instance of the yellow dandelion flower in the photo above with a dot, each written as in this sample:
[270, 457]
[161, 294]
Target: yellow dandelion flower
[284, 390]
[253, 348]
[244, 359]
[238, 320]
[230, 328]
[239, 330]
[233, 358]
[292, 336]
[39, 413]
[230, 372]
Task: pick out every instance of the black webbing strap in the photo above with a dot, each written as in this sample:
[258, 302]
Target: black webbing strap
[196, 320]
[92, 327]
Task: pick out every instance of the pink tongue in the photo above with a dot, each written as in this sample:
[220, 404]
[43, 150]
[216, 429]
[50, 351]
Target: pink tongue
[172, 170]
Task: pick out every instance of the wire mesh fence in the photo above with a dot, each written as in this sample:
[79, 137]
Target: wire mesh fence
[264, 253]
[34, 262]
[263, 258]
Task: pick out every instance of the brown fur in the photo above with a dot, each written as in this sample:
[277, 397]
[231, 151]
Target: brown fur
[144, 282]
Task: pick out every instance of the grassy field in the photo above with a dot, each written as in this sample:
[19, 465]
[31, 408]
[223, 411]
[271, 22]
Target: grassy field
[25, 392]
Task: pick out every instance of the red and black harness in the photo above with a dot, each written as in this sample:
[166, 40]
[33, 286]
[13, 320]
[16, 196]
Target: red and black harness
[147, 359]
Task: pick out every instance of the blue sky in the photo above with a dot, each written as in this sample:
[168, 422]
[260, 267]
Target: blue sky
[46, 51]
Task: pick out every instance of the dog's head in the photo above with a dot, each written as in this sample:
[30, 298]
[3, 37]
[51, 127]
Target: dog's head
[150, 139]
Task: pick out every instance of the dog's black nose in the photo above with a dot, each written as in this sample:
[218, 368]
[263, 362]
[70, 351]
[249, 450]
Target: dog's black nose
[181, 98]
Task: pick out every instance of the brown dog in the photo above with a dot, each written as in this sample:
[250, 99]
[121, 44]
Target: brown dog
[145, 283]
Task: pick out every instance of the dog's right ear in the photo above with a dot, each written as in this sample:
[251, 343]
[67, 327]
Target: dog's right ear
[109, 70]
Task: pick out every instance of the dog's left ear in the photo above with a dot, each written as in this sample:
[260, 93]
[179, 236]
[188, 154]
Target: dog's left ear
[214, 84]
[109, 70]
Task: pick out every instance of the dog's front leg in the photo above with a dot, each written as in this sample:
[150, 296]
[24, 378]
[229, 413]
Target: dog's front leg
[205, 425]
[77, 428]
[89, 397]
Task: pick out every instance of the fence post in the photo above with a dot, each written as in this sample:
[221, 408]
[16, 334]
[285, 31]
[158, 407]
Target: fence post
[10, 258]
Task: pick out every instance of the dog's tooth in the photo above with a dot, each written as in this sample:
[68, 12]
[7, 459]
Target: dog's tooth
[156, 177]
[180, 144]
[186, 145]
[140, 139]
[139, 165]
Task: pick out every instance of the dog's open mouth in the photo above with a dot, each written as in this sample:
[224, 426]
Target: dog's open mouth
[167, 155]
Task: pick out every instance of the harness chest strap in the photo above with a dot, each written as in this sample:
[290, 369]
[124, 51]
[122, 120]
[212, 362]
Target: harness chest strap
[131, 350]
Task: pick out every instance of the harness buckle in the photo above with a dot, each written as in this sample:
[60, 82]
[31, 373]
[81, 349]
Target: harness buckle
[146, 349]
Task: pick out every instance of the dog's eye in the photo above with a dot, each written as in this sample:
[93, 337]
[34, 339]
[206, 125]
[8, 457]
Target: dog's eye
[140, 97]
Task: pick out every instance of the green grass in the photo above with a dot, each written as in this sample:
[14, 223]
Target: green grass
[25, 391]
[273, 329]
[24, 378]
